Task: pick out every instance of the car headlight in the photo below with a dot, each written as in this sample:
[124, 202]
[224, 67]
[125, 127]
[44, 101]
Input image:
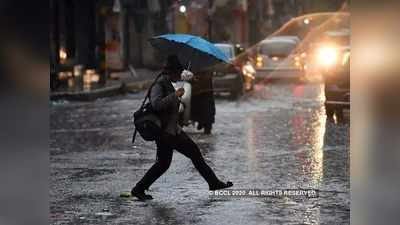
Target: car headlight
[346, 58]
[327, 56]
[248, 70]
[259, 61]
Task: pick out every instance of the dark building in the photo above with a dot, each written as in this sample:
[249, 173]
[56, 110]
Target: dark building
[109, 35]
[91, 34]
[73, 36]
[104, 35]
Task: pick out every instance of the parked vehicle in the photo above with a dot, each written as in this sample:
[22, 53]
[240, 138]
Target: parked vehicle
[293, 38]
[277, 58]
[235, 78]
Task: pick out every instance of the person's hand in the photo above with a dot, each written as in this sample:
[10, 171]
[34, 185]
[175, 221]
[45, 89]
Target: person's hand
[180, 92]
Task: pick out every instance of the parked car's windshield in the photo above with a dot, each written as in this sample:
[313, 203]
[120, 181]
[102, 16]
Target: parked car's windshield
[228, 50]
[277, 48]
[338, 39]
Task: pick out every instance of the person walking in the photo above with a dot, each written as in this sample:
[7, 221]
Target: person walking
[165, 102]
[203, 112]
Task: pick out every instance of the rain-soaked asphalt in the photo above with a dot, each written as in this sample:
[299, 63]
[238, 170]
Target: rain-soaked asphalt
[274, 138]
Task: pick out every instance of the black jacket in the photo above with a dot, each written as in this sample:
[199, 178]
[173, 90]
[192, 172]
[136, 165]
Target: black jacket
[166, 104]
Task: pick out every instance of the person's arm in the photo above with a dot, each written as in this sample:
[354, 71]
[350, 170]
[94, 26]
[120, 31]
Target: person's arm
[160, 103]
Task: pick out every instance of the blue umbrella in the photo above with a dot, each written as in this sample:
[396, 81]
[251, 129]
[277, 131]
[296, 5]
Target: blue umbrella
[192, 51]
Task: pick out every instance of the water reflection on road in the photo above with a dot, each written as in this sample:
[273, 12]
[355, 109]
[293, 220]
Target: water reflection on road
[274, 138]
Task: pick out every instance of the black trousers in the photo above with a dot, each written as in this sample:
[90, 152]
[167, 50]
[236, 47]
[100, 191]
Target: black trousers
[183, 144]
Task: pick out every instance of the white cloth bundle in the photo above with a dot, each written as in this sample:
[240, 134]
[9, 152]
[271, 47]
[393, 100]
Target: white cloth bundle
[186, 75]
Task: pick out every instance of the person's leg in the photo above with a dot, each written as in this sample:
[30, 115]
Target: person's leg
[164, 158]
[199, 126]
[185, 145]
[208, 128]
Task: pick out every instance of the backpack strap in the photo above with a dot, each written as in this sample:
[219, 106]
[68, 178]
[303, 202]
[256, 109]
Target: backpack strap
[144, 102]
[149, 90]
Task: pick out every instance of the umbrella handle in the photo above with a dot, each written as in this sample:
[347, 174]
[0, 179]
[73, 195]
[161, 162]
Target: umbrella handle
[188, 66]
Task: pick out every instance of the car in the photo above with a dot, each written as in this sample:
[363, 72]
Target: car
[337, 86]
[293, 38]
[277, 57]
[317, 54]
[330, 57]
[234, 78]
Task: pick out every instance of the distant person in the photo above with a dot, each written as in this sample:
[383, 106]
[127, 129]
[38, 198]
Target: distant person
[203, 102]
[165, 101]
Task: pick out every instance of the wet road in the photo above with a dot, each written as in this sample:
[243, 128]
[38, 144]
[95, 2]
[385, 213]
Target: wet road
[276, 137]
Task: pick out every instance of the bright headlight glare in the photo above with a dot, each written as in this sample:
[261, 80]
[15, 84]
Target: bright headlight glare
[248, 68]
[327, 56]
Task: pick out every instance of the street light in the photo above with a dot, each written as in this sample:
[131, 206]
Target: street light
[63, 54]
[182, 9]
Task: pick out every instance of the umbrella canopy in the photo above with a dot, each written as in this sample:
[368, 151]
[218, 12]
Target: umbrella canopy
[193, 52]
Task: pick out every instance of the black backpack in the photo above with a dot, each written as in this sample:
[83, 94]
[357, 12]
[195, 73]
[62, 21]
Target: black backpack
[146, 121]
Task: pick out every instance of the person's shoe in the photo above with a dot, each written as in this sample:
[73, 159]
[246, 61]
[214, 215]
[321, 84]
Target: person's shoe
[221, 185]
[141, 195]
